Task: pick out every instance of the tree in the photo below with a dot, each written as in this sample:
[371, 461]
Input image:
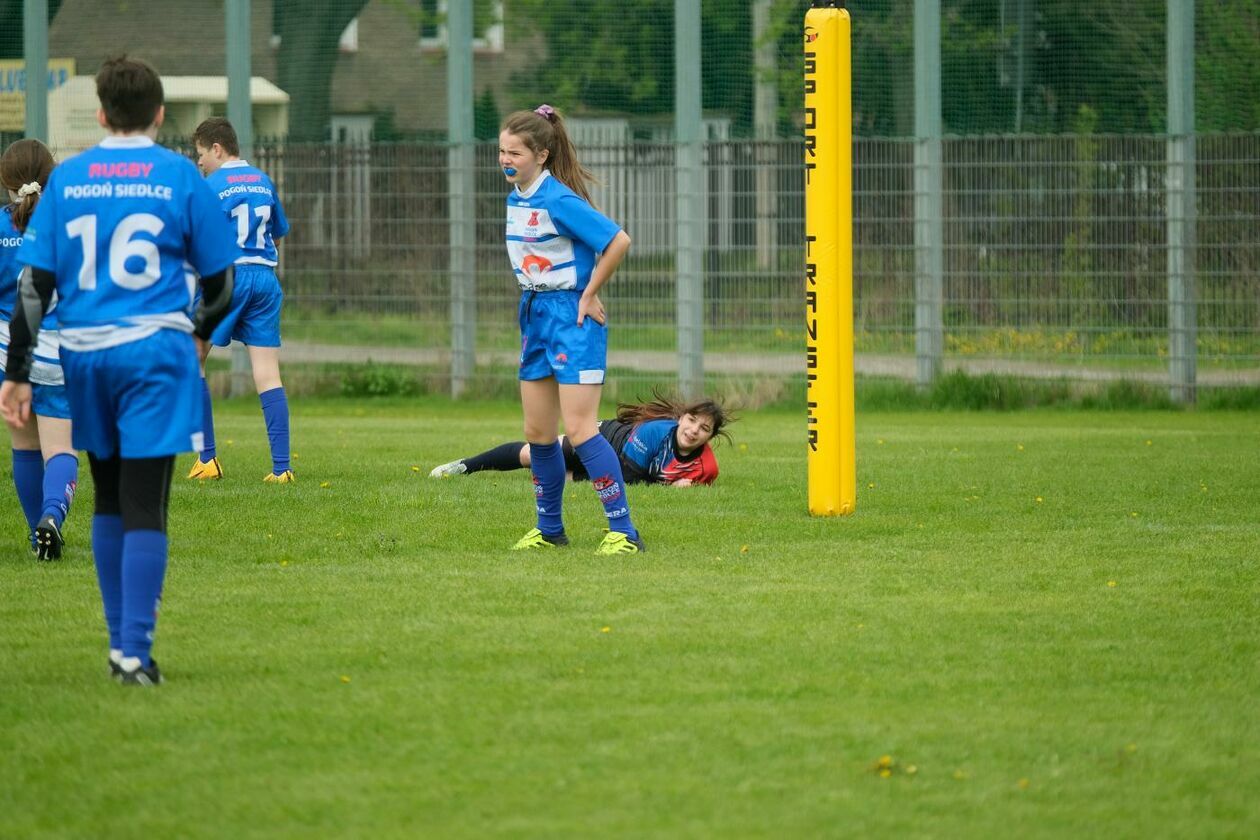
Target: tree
[619, 57]
[11, 19]
[309, 32]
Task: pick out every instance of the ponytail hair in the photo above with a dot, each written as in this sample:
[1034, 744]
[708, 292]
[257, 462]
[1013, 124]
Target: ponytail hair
[665, 407]
[24, 169]
[543, 128]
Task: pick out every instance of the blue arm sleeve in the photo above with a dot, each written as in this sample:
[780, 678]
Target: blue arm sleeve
[583, 222]
[645, 441]
[211, 240]
[279, 222]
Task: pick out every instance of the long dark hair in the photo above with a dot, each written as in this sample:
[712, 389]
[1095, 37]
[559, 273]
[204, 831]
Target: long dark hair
[25, 162]
[543, 128]
[667, 407]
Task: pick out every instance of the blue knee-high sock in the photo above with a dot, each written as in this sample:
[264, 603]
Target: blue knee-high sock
[61, 477]
[107, 551]
[546, 461]
[275, 408]
[143, 570]
[28, 479]
[604, 468]
[208, 450]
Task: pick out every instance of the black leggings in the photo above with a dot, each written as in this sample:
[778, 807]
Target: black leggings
[137, 489]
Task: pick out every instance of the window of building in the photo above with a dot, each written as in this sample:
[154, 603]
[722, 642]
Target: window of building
[487, 25]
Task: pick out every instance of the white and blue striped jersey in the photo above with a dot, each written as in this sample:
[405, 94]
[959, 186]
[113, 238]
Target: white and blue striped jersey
[554, 236]
[249, 198]
[116, 226]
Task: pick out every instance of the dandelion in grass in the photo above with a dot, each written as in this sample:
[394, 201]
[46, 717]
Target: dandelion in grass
[1111, 584]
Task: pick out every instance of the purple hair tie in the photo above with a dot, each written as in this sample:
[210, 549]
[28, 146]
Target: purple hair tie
[546, 112]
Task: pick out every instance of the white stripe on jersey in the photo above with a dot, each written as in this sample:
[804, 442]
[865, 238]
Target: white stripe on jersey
[85, 339]
[44, 369]
[538, 249]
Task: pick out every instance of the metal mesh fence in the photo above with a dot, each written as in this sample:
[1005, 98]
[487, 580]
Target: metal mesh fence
[1055, 170]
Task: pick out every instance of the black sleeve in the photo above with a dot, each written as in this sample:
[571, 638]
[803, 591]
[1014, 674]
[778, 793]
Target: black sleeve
[633, 473]
[35, 291]
[216, 296]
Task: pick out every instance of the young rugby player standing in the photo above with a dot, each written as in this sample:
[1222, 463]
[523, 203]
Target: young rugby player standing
[45, 466]
[112, 236]
[249, 198]
[562, 250]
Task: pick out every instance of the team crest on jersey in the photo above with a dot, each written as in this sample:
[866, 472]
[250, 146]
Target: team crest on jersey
[535, 266]
[608, 488]
[533, 219]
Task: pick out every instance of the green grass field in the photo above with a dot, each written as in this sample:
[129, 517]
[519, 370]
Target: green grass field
[1048, 621]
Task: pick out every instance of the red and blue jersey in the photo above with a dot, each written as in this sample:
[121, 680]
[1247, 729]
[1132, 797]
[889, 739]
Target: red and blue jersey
[117, 225]
[554, 236]
[652, 448]
[249, 198]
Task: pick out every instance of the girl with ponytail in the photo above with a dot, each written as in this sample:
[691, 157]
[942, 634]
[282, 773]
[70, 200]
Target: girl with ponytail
[562, 252]
[45, 466]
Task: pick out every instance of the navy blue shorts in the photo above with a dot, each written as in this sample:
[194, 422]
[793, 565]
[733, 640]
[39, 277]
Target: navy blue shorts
[552, 343]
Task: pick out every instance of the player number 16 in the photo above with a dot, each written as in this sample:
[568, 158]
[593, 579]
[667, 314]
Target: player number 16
[122, 247]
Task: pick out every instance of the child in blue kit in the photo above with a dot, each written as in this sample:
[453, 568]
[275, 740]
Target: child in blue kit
[45, 466]
[249, 199]
[562, 250]
[112, 237]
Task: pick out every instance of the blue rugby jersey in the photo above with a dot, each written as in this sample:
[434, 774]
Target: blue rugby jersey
[10, 268]
[45, 369]
[554, 236]
[249, 198]
[116, 225]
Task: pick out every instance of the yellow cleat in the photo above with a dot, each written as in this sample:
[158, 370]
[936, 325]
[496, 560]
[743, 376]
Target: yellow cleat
[286, 477]
[537, 539]
[616, 542]
[203, 470]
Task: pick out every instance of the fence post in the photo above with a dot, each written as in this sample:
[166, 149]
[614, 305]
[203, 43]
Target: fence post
[35, 51]
[241, 114]
[690, 196]
[1181, 211]
[929, 245]
[461, 193]
[765, 122]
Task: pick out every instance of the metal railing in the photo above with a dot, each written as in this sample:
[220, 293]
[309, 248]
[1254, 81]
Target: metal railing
[1055, 254]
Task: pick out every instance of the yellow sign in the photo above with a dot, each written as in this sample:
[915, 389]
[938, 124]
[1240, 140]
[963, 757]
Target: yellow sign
[13, 88]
